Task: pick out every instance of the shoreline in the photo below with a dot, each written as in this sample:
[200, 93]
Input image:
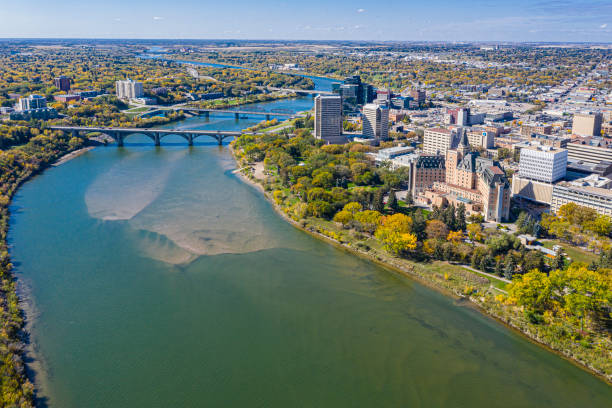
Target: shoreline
[403, 270]
[69, 156]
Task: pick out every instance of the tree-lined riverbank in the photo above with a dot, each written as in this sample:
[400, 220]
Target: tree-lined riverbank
[308, 213]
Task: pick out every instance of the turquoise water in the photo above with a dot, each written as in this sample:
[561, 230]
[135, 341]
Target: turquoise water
[156, 278]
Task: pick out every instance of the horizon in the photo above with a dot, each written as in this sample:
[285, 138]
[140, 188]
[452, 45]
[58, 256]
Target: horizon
[562, 21]
[304, 40]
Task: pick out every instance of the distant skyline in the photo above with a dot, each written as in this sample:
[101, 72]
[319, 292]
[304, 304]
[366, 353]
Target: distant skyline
[394, 20]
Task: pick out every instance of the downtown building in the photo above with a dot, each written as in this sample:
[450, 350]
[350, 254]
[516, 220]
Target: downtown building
[328, 118]
[129, 89]
[539, 168]
[592, 192]
[375, 122]
[476, 182]
[587, 124]
[438, 140]
[62, 83]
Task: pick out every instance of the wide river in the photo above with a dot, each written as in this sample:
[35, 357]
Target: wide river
[155, 278]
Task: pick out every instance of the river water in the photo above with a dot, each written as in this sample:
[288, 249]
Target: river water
[156, 278]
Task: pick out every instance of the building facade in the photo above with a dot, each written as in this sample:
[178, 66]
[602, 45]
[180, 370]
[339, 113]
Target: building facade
[129, 89]
[476, 182]
[375, 122]
[591, 193]
[32, 102]
[588, 152]
[62, 83]
[543, 163]
[328, 117]
[425, 171]
[438, 140]
[587, 124]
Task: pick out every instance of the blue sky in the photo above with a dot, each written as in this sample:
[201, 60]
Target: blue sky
[408, 20]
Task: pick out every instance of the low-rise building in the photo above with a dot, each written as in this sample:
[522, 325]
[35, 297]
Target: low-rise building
[67, 98]
[592, 192]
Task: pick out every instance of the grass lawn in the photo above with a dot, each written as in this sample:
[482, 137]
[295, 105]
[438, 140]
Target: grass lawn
[576, 254]
[499, 284]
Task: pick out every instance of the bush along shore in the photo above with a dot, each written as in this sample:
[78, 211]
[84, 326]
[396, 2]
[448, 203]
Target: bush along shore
[336, 193]
[41, 149]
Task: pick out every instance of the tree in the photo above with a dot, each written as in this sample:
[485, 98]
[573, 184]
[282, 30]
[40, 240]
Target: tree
[378, 203]
[559, 261]
[499, 267]
[484, 263]
[533, 260]
[394, 233]
[454, 236]
[461, 223]
[321, 209]
[533, 290]
[436, 229]
[392, 202]
[370, 220]
[449, 217]
[324, 179]
[352, 207]
[475, 232]
[344, 217]
[418, 225]
[509, 268]
[409, 199]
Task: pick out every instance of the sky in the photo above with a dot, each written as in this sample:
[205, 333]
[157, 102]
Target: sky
[390, 20]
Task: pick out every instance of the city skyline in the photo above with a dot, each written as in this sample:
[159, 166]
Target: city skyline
[392, 20]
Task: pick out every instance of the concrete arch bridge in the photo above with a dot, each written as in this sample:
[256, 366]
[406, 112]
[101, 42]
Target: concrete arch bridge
[119, 134]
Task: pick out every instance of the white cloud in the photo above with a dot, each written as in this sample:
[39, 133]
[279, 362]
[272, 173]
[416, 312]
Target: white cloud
[360, 10]
[603, 26]
[158, 18]
[117, 19]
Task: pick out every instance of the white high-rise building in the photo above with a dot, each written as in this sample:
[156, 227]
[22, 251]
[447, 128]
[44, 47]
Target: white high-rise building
[375, 122]
[328, 118]
[129, 89]
[543, 163]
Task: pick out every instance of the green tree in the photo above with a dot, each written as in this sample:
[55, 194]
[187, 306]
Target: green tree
[392, 202]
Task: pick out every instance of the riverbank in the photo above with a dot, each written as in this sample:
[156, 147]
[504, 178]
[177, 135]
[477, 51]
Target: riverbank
[67, 157]
[449, 279]
[27, 161]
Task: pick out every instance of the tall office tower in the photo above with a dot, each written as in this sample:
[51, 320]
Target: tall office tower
[375, 122]
[62, 83]
[587, 124]
[328, 117]
[129, 89]
[543, 163]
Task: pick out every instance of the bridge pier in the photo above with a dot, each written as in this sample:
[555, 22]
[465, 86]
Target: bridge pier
[267, 117]
[157, 139]
[220, 139]
[75, 133]
[119, 138]
[207, 114]
[190, 139]
[236, 116]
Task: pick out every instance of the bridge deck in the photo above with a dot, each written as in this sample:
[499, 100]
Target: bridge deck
[150, 130]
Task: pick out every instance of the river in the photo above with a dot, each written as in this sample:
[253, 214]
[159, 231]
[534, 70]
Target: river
[154, 277]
